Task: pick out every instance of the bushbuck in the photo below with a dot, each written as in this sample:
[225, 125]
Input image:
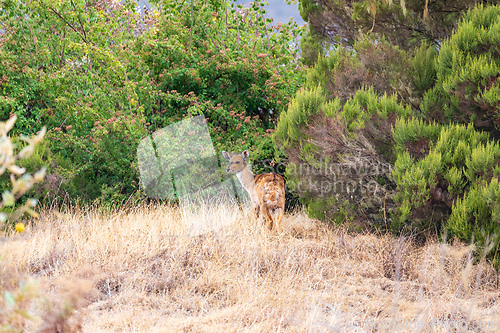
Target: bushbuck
[266, 190]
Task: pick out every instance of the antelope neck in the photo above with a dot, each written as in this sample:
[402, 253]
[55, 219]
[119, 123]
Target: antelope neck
[245, 177]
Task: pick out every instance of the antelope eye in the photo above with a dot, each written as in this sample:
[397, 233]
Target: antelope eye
[237, 162]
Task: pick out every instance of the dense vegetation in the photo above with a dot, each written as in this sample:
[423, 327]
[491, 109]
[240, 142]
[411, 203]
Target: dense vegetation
[399, 133]
[394, 125]
[102, 75]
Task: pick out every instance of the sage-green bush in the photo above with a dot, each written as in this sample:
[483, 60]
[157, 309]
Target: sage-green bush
[429, 115]
[339, 154]
[447, 180]
[467, 67]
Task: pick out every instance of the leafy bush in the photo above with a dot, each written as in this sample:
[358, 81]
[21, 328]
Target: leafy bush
[105, 159]
[86, 62]
[338, 154]
[468, 69]
[447, 179]
[423, 68]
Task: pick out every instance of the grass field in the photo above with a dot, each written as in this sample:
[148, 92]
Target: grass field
[151, 269]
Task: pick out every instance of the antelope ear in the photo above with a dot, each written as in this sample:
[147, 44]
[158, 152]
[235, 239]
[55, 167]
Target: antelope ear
[226, 155]
[244, 155]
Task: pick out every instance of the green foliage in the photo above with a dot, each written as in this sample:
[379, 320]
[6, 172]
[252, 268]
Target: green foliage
[321, 210]
[344, 70]
[239, 79]
[403, 23]
[335, 73]
[102, 75]
[424, 68]
[339, 153]
[107, 160]
[228, 59]
[475, 215]
[421, 160]
[312, 50]
[303, 107]
[468, 71]
[413, 131]
[446, 173]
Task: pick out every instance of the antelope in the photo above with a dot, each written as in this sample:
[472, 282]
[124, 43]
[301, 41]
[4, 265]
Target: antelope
[266, 190]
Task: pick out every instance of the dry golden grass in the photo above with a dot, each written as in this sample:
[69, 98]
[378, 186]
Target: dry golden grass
[150, 269]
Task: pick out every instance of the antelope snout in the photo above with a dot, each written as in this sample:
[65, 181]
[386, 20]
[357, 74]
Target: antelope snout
[227, 169]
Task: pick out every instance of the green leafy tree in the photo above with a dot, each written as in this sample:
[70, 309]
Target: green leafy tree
[102, 75]
[233, 65]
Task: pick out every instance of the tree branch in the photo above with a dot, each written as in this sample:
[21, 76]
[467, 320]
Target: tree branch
[66, 22]
[80, 21]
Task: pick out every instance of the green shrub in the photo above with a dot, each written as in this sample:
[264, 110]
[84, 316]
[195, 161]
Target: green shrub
[468, 67]
[339, 155]
[101, 164]
[447, 179]
[474, 216]
[424, 68]
[156, 67]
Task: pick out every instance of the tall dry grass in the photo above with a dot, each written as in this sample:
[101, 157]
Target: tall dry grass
[154, 269]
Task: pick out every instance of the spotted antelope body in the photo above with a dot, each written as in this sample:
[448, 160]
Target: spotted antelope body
[266, 190]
